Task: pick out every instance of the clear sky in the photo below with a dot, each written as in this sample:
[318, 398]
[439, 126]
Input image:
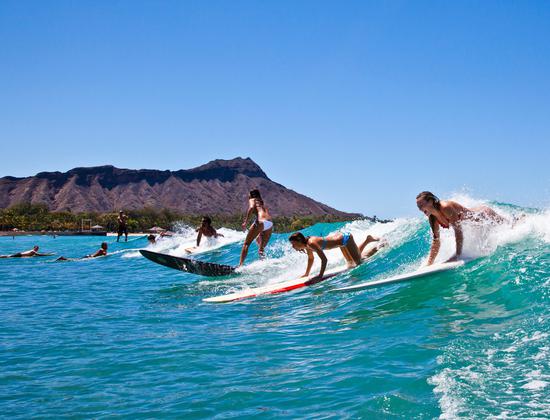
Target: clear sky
[358, 104]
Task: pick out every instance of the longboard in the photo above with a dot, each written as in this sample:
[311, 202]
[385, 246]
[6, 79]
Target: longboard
[122, 242]
[422, 272]
[188, 265]
[285, 286]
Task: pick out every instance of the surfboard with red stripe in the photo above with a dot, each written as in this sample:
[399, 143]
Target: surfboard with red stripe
[272, 289]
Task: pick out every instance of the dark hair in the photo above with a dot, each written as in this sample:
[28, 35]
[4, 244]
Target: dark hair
[207, 219]
[429, 196]
[151, 237]
[298, 237]
[103, 244]
[255, 194]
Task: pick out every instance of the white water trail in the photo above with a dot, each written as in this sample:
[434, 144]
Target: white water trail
[185, 238]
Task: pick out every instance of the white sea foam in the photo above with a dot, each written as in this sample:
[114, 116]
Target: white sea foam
[483, 238]
[476, 381]
[185, 238]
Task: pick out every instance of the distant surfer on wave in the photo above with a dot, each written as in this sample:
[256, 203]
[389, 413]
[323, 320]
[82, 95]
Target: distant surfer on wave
[205, 229]
[261, 229]
[353, 254]
[101, 252]
[26, 254]
[448, 214]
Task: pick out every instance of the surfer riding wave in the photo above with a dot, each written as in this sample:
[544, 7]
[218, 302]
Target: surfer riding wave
[261, 229]
[447, 214]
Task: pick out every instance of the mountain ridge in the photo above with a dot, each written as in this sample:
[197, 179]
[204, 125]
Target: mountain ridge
[217, 187]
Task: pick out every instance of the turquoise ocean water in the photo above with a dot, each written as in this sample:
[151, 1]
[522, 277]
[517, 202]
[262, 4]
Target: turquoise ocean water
[122, 336]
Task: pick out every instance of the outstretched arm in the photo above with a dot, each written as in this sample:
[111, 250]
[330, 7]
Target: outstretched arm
[322, 256]
[248, 213]
[436, 244]
[459, 237]
[309, 262]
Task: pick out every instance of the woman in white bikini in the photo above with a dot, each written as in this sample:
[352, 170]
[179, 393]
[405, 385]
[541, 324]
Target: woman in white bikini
[261, 229]
[451, 214]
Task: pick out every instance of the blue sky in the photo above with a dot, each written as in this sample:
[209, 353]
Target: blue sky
[358, 104]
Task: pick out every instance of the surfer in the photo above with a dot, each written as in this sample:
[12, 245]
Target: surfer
[122, 225]
[151, 239]
[353, 254]
[205, 229]
[101, 252]
[26, 254]
[261, 229]
[448, 214]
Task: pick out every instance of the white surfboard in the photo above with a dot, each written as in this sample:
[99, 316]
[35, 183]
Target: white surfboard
[285, 286]
[421, 272]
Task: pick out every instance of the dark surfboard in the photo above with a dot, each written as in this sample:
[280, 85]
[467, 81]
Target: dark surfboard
[188, 265]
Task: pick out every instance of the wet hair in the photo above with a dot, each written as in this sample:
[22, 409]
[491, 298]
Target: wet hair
[151, 237]
[298, 237]
[103, 244]
[207, 219]
[429, 196]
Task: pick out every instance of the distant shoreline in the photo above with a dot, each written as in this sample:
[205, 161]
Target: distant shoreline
[36, 219]
[69, 233]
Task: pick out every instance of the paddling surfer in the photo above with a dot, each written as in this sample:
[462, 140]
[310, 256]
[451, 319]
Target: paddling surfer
[122, 220]
[262, 227]
[101, 252]
[26, 254]
[447, 214]
[353, 254]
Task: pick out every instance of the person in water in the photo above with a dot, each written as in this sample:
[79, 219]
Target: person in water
[205, 229]
[122, 225]
[152, 239]
[353, 254]
[26, 254]
[101, 252]
[262, 227]
[448, 214]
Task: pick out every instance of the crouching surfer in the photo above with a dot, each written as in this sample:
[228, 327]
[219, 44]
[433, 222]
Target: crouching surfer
[447, 214]
[101, 252]
[353, 254]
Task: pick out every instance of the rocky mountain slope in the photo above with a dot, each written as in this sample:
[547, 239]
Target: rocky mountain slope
[218, 187]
